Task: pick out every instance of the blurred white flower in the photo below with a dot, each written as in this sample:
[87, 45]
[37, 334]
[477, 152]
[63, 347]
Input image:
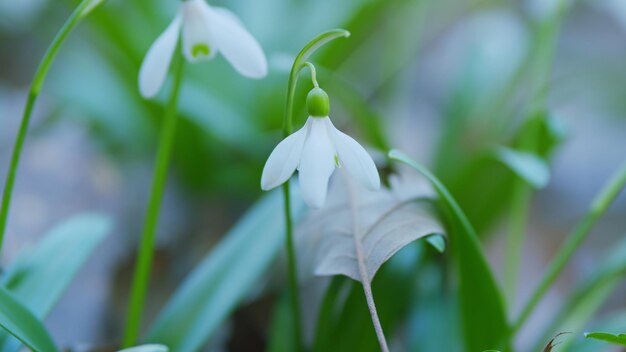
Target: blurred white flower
[316, 150]
[205, 31]
[146, 348]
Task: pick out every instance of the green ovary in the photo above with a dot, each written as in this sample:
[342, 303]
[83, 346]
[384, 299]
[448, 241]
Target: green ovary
[200, 50]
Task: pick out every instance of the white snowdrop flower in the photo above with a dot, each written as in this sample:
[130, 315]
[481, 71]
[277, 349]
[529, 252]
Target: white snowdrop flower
[316, 150]
[205, 31]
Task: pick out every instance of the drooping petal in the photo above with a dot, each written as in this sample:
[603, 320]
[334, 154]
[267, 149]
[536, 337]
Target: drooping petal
[355, 158]
[236, 44]
[198, 39]
[284, 159]
[154, 68]
[316, 164]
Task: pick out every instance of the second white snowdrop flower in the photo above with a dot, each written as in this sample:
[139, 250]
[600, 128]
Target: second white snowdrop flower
[316, 150]
[205, 31]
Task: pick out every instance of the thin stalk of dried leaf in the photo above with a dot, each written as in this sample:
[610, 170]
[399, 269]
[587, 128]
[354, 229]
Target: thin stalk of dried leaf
[365, 280]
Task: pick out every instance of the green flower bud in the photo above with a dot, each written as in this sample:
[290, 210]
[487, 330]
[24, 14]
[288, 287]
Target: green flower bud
[317, 103]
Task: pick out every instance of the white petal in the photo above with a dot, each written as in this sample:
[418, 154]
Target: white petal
[316, 164]
[198, 43]
[355, 159]
[154, 68]
[284, 159]
[236, 44]
[147, 348]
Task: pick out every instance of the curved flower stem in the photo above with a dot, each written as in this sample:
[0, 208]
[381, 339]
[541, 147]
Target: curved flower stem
[292, 266]
[294, 292]
[35, 89]
[299, 63]
[146, 247]
[599, 206]
[313, 74]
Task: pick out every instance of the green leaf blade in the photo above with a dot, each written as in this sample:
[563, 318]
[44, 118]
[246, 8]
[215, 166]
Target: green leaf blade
[484, 318]
[40, 277]
[21, 323]
[530, 167]
[607, 337]
[281, 334]
[589, 296]
[212, 291]
[90, 6]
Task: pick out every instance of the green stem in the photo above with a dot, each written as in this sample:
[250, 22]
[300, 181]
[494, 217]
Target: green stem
[298, 65]
[522, 195]
[291, 252]
[294, 293]
[146, 247]
[292, 266]
[313, 74]
[35, 89]
[599, 206]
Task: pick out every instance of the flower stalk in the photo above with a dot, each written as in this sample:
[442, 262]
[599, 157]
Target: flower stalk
[35, 88]
[313, 74]
[292, 268]
[141, 276]
[297, 66]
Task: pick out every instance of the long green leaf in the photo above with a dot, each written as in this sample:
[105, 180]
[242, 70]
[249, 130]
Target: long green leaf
[530, 167]
[223, 278]
[612, 321]
[605, 336]
[600, 204]
[281, 335]
[482, 307]
[92, 5]
[19, 322]
[589, 297]
[40, 277]
[480, 183]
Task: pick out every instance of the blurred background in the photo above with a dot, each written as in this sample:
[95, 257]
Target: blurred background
[442, 80]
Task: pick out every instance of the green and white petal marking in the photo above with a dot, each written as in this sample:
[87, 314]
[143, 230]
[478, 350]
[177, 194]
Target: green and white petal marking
[316, 150]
